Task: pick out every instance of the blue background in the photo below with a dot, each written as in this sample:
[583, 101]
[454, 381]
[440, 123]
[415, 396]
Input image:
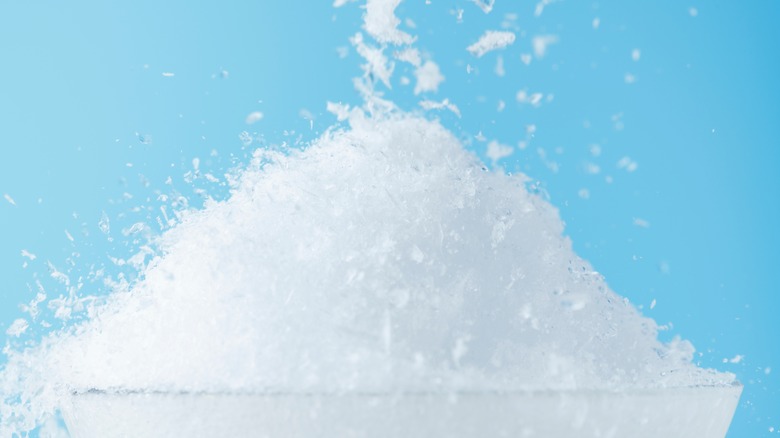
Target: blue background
[89, 124]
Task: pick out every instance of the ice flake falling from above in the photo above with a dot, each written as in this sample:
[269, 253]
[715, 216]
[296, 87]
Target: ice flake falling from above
[485, 5]
[491, 40]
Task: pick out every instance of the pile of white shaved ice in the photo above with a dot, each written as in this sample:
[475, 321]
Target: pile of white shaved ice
[385, 258]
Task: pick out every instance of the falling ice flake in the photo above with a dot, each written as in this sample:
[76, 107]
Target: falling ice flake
[639, 222]
[500, 71]
[652, 304]
[104, 223]
[584, 193]
[69, 236]
[628, 164]
[526, 58]
[629, 78]
[736, 359]
[596, 22]
[491, 40]
[381, 22]
[539, 9]
[636, 54]
[496, 151]
[168, 74]
[9, 199]
[17, 327]
[28, 255]
[253, 117]
[485, 5]
[444, 104]
[533, 99]
[693, 12]
[540, 44]
[428, 78]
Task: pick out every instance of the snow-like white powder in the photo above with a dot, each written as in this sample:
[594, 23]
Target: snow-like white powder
[384, 257]
[491, 40]
[381, 22]
[428, 78]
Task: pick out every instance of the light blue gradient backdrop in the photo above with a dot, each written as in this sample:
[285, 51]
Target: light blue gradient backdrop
[80, 82]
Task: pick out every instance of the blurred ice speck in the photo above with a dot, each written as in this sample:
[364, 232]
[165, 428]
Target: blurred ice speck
[485, 5]
[9, 199]
[540, 44]
[254, 117]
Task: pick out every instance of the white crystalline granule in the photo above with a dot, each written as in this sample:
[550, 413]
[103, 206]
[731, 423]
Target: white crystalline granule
[384, 257]
[491, 40]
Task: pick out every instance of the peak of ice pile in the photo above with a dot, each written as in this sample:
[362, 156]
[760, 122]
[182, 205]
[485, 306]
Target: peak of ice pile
[384, 257]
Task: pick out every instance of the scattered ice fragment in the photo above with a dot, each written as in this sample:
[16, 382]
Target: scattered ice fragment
[28, 255]
[9, 199]
[641, 223]
[636, 54]
[485, 5]
[526, 58]
[340, 110]
[104, 223]
[629, 78]
[693, 12]
[409, 55]
[767, 370]
[340, 3]
[736, 359]
[444, 104]
[595, 150]
[533, 99]
[253, 117]
[539, 9]
[69, 236]
[17, 327]
[459, 15]
[501, 106]
[168, 74]
[377, 64]
[491, 40]
[381, 22]
[480, 137]
[342, 51]
[584, 193]
[596, 22]
[592, 168]
[428, 78]
[144, 138]
[195, 163]
[496, 151]
[500, 71]
[628, 164]
[652, 304]
[540, 43]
